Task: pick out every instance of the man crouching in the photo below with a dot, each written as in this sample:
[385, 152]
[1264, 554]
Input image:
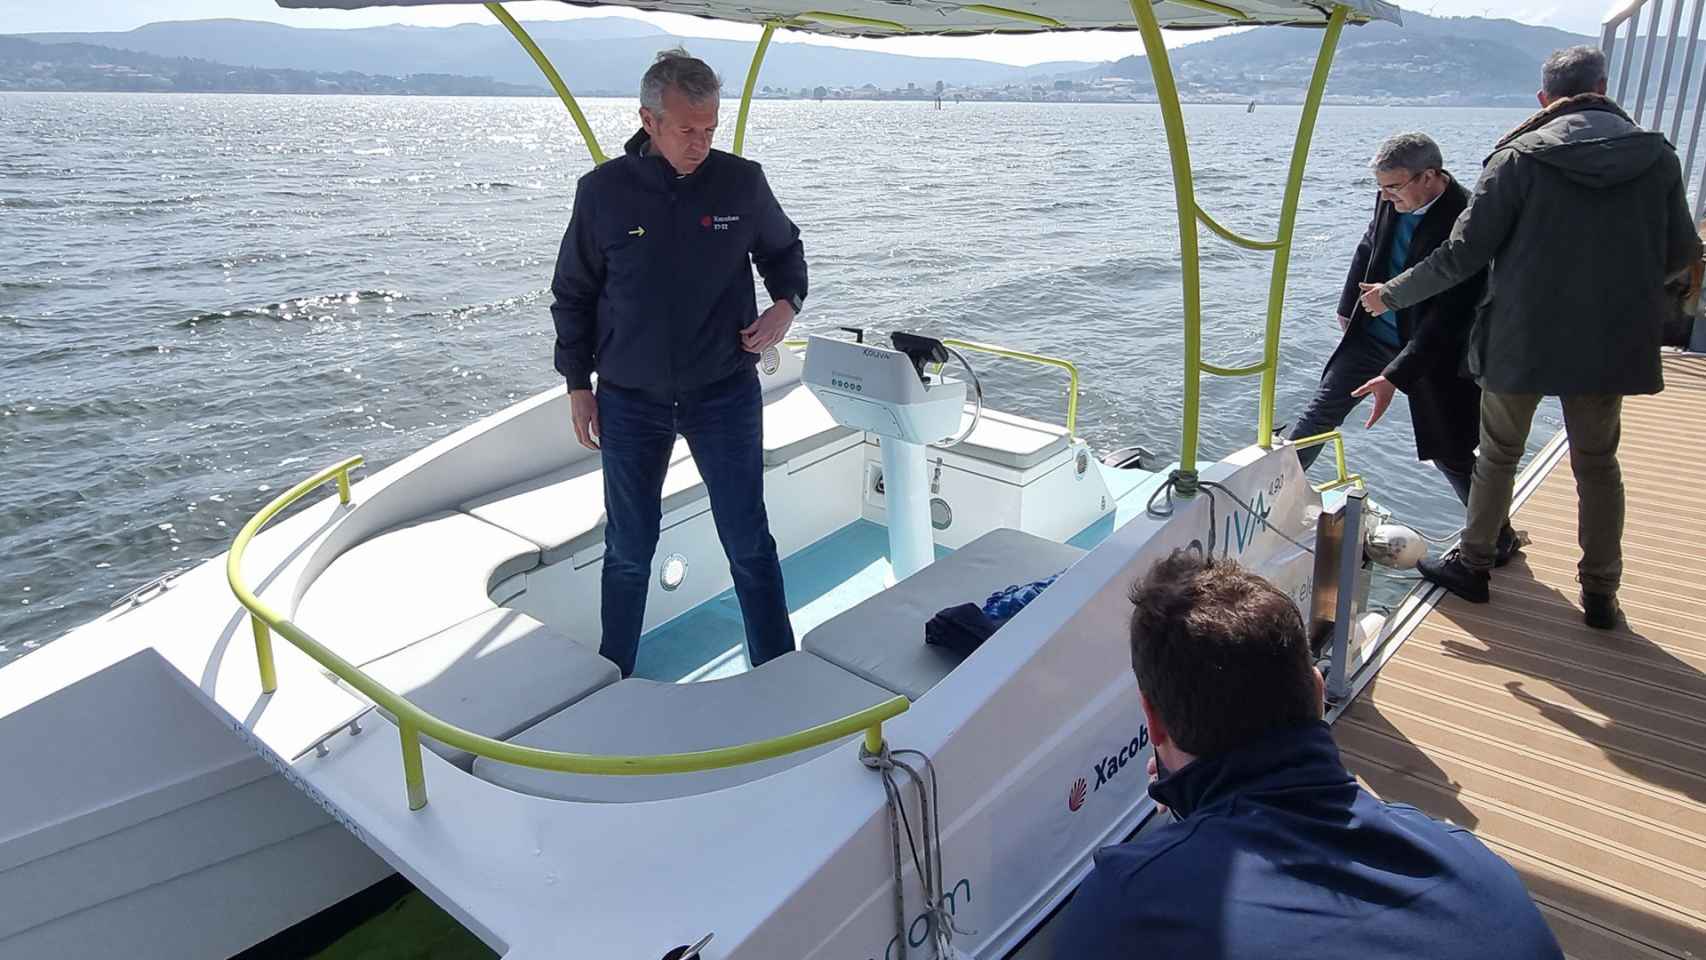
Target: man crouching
[1276, 852]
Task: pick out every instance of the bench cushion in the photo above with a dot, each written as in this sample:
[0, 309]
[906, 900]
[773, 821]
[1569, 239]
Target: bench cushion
[409, 583]
[495, 674]
[790, 693]
[882, 638]
[1012, 441]
[562, 512]
[796, 423]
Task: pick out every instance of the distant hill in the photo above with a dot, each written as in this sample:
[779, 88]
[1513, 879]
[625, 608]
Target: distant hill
[595, 54]
[25, 65]
[1427, 60]
[1442, 60]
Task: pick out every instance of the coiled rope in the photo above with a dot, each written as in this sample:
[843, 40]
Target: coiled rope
[929, 864]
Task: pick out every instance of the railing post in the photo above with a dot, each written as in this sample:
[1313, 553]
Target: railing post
[1350, 568]
[874, 738]
[263, 653]
[751, 81]
[551, 75]
[1184, 199]
[413, 777]
[1288, 221]
[343, 486]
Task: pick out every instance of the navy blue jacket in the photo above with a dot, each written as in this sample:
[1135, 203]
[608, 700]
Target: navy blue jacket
[654, 277]
[1280, 855]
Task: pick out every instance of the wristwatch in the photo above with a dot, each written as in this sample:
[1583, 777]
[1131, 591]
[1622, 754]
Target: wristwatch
[797, 302]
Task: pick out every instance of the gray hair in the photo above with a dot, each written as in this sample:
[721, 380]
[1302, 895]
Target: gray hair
[1409, 152]
[691, 77]
[1572, 71]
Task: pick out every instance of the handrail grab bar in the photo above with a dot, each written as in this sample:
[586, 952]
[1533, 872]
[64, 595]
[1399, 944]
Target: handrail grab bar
[1337, 438]
[1029, 357]
[413, 722]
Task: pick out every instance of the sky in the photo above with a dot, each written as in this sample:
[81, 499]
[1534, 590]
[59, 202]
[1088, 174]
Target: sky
[34, 16]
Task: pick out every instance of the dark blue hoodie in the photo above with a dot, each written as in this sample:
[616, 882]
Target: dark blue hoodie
[654, 277]
[1279, 855]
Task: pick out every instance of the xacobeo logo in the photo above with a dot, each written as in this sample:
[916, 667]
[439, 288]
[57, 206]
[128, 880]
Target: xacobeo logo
[1106, 769]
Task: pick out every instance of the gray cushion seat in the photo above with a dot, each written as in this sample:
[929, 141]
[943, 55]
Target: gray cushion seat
[644, 717]
[563, 511]
[882, 639]
[1012, 441]
[495, 674]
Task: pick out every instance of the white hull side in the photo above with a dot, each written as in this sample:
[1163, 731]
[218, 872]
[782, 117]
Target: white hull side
[178, 841]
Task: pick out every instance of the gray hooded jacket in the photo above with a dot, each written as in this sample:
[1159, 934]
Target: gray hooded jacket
[1582, 216]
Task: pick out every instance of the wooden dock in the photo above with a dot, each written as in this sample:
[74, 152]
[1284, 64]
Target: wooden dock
[1577, 754]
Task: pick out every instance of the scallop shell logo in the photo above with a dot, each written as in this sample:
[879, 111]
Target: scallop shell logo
[770, 360]
[1075, 797]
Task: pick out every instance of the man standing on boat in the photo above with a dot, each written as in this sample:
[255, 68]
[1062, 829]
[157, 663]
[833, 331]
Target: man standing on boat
[1276, 853]
[654, 294]
[1582, 216]
[1419, 349]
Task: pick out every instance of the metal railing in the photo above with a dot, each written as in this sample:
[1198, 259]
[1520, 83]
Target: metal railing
[1344, 477]
[414, 723]
[1037, 358]
[1628, 22]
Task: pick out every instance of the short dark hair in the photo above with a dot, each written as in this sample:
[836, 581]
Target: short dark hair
[1573, 71]
[1220, 654]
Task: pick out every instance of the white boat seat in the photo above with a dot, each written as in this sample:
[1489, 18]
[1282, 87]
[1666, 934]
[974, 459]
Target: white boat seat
[563, 511]
[634, 716]
[409, 583]
[495, 674]
[882, 638]
[1011, 441]
[796, 423]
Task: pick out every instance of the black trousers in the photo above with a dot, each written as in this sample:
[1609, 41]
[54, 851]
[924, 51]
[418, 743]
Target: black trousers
[1358, 360]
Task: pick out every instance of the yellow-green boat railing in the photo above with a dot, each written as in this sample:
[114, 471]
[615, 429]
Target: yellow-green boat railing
[1037, 358]
[1344, 477]
[414, 723]
[1191, 215]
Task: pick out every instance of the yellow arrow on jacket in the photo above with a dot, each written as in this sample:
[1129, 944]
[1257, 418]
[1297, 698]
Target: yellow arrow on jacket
[637, 232]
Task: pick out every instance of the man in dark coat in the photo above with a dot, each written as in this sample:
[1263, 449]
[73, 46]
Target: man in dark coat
[1583, 217]
[1276, 854]
[654, 294]
[1418, 349]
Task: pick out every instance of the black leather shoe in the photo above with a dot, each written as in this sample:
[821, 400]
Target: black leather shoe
[1600, 610]
[1450, 572]
[1510, 544]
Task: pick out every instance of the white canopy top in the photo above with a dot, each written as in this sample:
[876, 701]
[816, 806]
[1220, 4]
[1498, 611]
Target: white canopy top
[890, 18]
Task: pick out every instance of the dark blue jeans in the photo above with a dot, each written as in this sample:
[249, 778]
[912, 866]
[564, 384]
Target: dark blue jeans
[723, 425]
[1358, 360]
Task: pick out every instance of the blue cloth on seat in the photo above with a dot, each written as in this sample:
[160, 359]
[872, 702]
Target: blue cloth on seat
[1003, 604]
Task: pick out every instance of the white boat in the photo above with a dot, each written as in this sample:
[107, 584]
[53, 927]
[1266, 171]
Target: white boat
[239, 747]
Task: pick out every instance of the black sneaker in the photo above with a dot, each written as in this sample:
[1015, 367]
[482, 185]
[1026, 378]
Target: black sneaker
[1600, 610]
[1450, 572]
[1510, 544]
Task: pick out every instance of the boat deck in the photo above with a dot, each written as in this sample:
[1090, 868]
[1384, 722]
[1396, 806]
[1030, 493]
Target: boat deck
[1578, 755]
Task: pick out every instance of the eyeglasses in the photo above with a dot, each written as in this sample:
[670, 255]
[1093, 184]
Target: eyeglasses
[1393, 190]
